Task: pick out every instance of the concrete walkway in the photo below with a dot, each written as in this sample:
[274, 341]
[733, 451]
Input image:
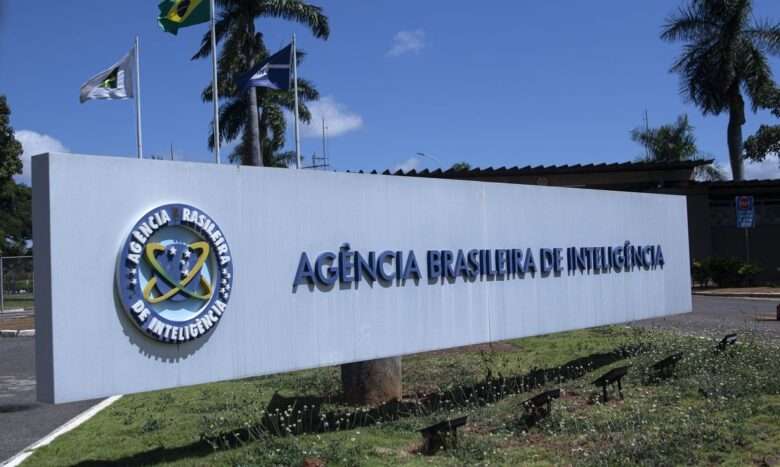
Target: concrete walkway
[741, 292]
[717, 316]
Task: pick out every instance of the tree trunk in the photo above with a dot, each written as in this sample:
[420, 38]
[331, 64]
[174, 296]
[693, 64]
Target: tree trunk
[254, 129]
[372, 382]
[736, 120]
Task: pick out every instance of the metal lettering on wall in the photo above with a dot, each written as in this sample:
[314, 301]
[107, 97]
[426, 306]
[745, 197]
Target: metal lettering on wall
[175, 273]
[347, 266]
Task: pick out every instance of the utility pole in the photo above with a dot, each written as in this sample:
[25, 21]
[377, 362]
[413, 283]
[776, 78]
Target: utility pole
[324, 149]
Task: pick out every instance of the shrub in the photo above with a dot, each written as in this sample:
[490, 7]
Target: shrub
[725, 271]
[748, 273]
[700, 271]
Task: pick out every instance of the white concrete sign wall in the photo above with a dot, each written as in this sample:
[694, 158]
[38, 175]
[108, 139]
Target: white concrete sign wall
[597, 257]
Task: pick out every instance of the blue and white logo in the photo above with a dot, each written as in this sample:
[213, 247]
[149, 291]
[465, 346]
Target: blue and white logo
[175, 273]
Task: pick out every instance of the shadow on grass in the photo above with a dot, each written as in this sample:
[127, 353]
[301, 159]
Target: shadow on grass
[156, 456]
[308, 419]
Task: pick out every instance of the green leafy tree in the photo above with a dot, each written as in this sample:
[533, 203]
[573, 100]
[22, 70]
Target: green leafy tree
[15, 200]
[668, 143]
[725, 55]
[672, 143]
[460, 166]
[243, 48]
[15, 218]
[765, 142]
[10, 148]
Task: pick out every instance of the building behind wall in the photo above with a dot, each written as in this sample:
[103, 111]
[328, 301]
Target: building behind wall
[712, 229]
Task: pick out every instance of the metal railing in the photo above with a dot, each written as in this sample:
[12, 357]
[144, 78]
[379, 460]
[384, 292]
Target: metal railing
[16, 284]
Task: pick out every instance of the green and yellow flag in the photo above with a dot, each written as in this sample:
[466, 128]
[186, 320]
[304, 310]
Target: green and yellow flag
[175, 14]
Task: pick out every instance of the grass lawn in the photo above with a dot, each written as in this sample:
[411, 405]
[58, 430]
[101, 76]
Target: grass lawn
[15, 301]
[718, 408]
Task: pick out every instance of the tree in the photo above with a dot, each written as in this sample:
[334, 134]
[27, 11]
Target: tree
[668, 143]
[242, 48]
[15, 200]
[10, 148]
[672, 143]
[764, 143]
[725, 54]
[15, 218]
[460, 166]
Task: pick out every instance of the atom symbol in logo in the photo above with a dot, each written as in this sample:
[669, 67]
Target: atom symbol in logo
[185, 263]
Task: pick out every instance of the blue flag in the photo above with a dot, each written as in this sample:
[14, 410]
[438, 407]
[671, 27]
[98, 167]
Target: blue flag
[272, 73]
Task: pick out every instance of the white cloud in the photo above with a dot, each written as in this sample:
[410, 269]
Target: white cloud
[35, 143]
[407, 42]
[412, 163]
[767, 169]
[338, 119]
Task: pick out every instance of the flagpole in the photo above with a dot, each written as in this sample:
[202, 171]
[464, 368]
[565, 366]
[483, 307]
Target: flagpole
[138, 135]
[214, 91]
[295, 90]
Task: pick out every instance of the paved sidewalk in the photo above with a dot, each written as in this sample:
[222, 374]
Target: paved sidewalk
[743, 292]
[717, 316]
[24, 421]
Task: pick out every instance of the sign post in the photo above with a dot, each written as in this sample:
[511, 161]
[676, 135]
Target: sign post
[746, 219]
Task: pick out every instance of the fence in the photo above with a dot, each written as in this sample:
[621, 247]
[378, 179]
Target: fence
[16, 284]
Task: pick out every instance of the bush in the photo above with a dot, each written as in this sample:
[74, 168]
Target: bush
[748, 273]
[700, 272]
[725, 271]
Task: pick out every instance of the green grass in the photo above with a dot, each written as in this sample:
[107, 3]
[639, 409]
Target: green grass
[716, 409]
[24, 301]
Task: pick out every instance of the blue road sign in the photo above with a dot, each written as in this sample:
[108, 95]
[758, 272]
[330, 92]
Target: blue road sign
[746, 212]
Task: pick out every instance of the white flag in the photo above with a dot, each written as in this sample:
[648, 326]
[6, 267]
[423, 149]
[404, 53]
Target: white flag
[113, 83]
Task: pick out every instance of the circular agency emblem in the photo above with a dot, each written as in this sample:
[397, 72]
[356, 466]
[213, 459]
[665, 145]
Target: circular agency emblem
[175, 274]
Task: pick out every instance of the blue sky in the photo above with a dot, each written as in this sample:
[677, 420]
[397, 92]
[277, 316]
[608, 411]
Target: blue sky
[520, 83]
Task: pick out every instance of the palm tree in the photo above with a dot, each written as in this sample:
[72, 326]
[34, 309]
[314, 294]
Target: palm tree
[668, 143]
[725, 54]
[242, 48]
[672, 143]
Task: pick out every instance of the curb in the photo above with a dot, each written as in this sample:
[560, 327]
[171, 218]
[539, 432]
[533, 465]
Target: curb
[775, 296]
[15, 333]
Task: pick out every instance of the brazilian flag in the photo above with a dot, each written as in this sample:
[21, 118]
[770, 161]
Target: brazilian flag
[175, 14]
